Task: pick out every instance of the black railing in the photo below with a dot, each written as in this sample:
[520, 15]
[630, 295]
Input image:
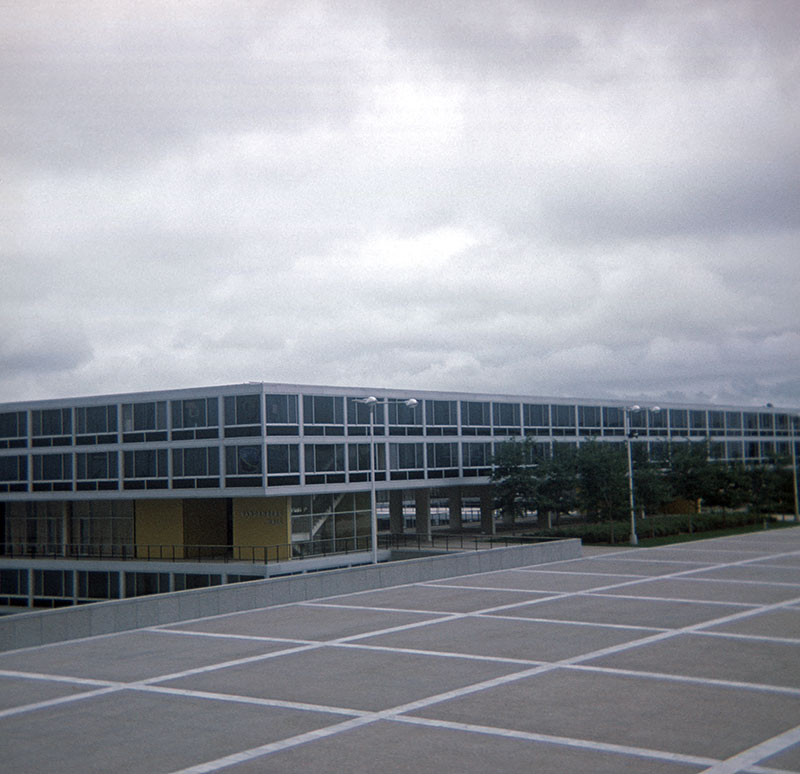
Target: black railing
[262, 554]
[455, 541]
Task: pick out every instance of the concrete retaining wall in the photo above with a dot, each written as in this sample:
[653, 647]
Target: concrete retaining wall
[69, 623]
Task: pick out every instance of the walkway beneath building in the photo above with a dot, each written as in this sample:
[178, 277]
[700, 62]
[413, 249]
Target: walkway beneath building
[674, 659]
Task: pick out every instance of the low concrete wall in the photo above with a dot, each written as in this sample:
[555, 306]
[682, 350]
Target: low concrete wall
[69, 623]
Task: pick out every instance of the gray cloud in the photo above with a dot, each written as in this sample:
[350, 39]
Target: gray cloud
[534, 197]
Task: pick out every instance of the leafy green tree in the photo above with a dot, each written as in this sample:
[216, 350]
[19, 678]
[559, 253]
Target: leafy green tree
[690, 472]
[603, 480]
[651, 488]
[729, 486]
[557, 482]
[513, 479]
[764, 488]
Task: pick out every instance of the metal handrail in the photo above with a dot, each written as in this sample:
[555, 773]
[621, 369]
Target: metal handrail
[260, 554]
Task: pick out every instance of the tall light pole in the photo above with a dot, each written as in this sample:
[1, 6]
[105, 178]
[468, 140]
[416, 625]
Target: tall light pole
[627, 410]
[371, 401]
[794, 465]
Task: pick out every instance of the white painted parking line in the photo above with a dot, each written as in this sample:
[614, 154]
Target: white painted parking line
[225, 636]
[754, 637]
[483, 685]
[241, 699]
[575, 572]
[745, 759]
[42, 705]
[564, 741]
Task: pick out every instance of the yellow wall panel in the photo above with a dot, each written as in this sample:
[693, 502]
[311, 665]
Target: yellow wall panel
[259, 522]
[159, 525]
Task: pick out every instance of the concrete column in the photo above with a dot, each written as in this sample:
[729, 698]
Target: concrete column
[396, 511]
[422, 504]
[454, 504]
[487, 510]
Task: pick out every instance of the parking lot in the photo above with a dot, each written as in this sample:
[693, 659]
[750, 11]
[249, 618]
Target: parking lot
[684, 658]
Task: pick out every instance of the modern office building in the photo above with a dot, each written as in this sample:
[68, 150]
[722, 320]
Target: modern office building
[256, 465]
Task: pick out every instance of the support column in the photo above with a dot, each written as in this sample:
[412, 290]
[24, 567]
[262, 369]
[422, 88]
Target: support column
[487, 510]
[455, 502]
[422, 505]
[396, 523]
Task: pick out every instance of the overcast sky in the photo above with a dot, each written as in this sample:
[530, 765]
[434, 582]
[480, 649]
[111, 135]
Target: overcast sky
[545, 197]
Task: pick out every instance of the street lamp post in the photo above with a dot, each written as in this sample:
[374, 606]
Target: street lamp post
[627, 411]
[371, 401]
[794, 466]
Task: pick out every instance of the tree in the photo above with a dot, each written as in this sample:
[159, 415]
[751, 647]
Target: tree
[764, 488]
[690, 472]
[650, 485]
[557, 482]
[729, 486]
[602, 473]
[513, 480]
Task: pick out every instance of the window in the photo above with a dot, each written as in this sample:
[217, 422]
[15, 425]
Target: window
[281, 415]
[324, 457]
[97, 584]
[148, 463]
[242, 416]
[54, 471]
[613, 420]
[195, 412]
[657, 420]
[358, 413]
[195, 462]
[474, 413]
[590, 420]
[678, 421]
[13, 430]
[751, 423]
[766, 424]
[536, 415]
[283, 458]
[13, 473]
[144, 421]
[323, 415]
[589, 416]
[359, 459]
[324, 463]
[716, 422]
[441, 413]
[406, 460]
[442, 460]
[96, 465]
[95, 419]
[243, 466]
[404, 420]
[51, 427]
[323, 410]
[283, 464]
[697, 422]
[96, 471]
[563, 417]
[506, 418]
[733, 423]
[477, 458]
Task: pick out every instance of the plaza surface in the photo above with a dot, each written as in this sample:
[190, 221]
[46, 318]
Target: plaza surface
[683, 658]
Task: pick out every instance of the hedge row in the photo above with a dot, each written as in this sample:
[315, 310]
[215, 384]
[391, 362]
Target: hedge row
[654, 526]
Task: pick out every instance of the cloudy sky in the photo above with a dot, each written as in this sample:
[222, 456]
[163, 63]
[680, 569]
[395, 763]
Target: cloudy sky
[547, 197]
